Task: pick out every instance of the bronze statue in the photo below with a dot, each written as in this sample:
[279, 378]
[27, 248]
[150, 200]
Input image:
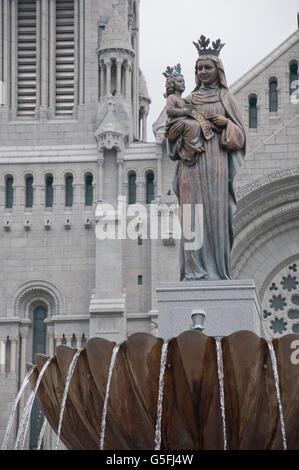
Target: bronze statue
[206, 136]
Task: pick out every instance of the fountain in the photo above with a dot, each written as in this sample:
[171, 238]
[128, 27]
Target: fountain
[192, 392]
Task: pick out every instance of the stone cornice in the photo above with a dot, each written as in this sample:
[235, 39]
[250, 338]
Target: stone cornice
[113, 50]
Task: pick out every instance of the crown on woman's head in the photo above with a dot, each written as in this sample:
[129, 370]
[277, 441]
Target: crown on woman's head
[203, 43]
[171, 71]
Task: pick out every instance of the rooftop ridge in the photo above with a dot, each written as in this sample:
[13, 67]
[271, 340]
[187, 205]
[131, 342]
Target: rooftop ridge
[265, 62]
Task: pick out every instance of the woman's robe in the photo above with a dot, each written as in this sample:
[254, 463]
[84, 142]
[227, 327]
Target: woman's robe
[207, 180]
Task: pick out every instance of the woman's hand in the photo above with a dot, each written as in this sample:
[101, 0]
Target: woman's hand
[218, 120]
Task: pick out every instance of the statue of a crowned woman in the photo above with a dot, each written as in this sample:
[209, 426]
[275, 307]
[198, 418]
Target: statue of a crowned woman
[207, 138]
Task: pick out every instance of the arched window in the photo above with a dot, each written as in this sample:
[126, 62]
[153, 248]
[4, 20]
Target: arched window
[293, 76]
[273, 95]
[88, 190]
[69, 190]
[253, 112]
[49, 191]
[150, 187]
[132, 188]
[29, 191]
[9, 192]
[38, 347]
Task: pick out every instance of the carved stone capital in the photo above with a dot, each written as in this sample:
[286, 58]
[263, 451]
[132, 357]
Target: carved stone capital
[24, 331]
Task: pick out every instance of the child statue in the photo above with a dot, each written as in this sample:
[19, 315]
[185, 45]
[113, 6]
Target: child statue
[186, 129]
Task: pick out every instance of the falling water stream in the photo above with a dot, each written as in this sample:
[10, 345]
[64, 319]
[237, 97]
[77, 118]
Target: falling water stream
[41, 434]
[14, 408]
[160, 396]
[104, 414]
[276, 377]
[23, 428]
[24, 418]
[221, 387]
[70, 372]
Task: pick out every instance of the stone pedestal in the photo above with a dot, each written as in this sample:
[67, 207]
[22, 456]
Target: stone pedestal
[108, 319]
[228, 305]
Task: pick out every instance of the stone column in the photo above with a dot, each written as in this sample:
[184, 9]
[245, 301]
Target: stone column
[136, 62]
[108, 77]
[13, 42]
[82, 52]
[2, 354]
[50, 333]
[118, 76]
[58, 340]
[24, 334]
[120, 163]
[140, 185]
[76, 69]
[100, 192]
[36, 198]
[79, 342]
[38, 58]
[13, 354]
[52, 56]
[128, 81]
[135, 96]
[1, 57]
[6, 51]
[144, 129]
[102, 79]
[159, 175]
[44, 59]
[69, 340]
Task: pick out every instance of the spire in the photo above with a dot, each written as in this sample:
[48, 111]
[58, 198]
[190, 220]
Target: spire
[116, 34]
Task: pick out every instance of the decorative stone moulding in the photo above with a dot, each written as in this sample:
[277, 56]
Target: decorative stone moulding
[254, 406]
[7, 225]
[47, 224]
[67, 224]
[87, 223]
[27, 225]
[109, 140]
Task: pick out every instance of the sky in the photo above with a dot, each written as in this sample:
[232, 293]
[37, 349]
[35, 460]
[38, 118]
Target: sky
[250, 30]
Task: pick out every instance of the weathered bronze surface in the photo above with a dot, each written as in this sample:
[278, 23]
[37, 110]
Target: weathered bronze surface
[206, 136]
[191, 417]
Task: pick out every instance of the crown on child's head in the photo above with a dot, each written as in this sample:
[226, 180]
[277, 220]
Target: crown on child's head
[203, 48]
[172, 71]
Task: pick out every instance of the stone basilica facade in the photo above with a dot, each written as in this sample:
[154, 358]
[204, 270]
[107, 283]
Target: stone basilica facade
[73, 118]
